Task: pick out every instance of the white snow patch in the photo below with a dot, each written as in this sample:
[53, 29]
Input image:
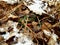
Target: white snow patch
[47, 33]
[6, 36]
[2, 30]
[54, 36]
[13, 25]
[11, 1]
[37, 6]
[24, 40]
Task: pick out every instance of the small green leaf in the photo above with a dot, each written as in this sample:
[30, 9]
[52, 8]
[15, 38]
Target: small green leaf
[21, 19]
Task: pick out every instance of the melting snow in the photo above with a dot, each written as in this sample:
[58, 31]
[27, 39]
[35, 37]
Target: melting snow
[37, 6]
[11, 1]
